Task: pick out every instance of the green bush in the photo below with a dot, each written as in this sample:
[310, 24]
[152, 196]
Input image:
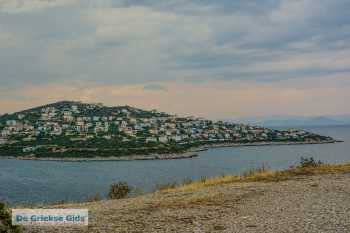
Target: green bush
[309, 162]
[6, 222]
[119, 190]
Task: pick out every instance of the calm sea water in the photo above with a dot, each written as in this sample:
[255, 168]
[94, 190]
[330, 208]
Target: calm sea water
[45, 182]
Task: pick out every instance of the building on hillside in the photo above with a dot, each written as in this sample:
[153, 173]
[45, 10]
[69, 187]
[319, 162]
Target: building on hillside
[75, 108]
[3, 141]
[151, 139]
[11, 122]
[163, 139]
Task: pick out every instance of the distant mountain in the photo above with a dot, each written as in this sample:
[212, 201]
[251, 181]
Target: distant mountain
[289, 121]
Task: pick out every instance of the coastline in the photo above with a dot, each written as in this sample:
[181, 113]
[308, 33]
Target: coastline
[222, 145]
[185, 155]
[191, 153]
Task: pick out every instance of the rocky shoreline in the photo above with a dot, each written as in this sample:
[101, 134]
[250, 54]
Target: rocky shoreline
[186, 155]
[220, 145]
[191, 153]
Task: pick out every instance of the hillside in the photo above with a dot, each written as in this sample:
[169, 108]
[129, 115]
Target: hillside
[296, 200]
[89, 110]
[71, 129]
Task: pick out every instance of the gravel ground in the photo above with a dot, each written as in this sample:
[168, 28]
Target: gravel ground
[304, 204]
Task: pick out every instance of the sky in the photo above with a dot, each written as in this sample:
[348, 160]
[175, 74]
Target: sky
[214, 59]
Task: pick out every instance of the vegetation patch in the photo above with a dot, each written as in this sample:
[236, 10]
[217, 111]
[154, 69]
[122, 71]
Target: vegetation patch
[309, 162]
[6, 222]
[119, 190]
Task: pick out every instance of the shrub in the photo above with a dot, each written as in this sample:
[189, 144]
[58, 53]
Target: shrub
[119, 190]
[6, 222]
[309, 162]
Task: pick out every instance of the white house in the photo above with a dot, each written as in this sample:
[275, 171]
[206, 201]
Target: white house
[3, 141]
[11, 122]
[163, 139]
[151, 139]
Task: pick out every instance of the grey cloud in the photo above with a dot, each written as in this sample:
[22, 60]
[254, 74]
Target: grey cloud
[149, 41]
[23, 6]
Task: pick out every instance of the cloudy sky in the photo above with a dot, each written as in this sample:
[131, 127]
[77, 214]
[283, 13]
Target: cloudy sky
[217, 59]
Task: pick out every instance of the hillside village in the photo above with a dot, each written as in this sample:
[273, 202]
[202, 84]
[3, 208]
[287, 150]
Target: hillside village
[73, 128]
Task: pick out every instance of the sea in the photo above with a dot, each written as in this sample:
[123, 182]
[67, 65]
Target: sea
[44, 182]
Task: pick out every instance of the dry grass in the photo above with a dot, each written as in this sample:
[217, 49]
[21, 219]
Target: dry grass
[193, 194]
[208, 199]
[262, 174]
